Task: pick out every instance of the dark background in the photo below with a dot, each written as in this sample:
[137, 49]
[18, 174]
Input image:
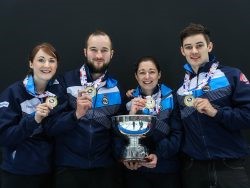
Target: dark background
[137, 27]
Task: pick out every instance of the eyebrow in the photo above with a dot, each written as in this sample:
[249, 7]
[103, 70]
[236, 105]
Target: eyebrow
[148, 69]
[94, 47]
[195, 43]
[45, 58]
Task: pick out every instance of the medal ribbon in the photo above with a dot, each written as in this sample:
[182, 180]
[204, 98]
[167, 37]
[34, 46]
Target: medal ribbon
[187, 80]
[30, 87]
[83, 79]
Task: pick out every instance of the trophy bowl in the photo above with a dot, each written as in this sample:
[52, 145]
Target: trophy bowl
[134, 127]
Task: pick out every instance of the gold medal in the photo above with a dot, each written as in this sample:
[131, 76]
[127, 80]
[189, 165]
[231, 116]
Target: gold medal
[150, 102]
[189, 100]
[90, 91]
[51, 101]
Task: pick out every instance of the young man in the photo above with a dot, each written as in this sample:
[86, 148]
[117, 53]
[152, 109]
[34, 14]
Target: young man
[83, 133]
[215, 106]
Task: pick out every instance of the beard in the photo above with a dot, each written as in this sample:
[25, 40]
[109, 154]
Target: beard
[94, 69]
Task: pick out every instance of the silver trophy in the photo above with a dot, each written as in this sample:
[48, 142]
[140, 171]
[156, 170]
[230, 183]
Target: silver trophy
[134, 127]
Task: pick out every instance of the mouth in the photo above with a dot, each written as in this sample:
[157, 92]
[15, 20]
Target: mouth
[46, 71]
[195, 58]
[147, 82]
[99, 60]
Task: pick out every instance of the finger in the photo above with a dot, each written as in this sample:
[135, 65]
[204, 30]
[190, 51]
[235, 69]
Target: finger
[84, 102]
[81, 92]
[44, 112]
[85, 98]
[128, 165]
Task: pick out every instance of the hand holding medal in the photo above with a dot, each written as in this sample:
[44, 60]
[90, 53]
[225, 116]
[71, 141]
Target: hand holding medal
[83, 103]
[137, 104]
[89, 90]
[204, 106]
[43, 110]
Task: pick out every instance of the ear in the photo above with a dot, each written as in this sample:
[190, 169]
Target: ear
[112, 53]
[31, 64]
[159, 76]
[136, 77]
[210, 46]
[85, 52]
[182, 51]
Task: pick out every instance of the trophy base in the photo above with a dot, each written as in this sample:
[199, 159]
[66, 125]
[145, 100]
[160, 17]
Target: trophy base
[139, 160]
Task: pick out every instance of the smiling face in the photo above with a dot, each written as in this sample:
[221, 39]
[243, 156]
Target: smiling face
[196, 50]
[98, 53]
[44, 66]
[147, 76]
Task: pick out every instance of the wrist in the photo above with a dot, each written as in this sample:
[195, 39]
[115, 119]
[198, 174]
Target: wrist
[132, 112]
[77, 115]
[38, 120]
[214, 112]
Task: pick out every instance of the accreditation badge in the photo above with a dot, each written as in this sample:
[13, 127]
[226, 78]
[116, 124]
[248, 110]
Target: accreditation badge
[189, 100]
[52, 101]
[90, 91]
[150, 102]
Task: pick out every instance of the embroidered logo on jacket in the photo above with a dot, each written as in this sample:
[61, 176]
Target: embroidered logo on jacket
[105, 100]
[4, 104]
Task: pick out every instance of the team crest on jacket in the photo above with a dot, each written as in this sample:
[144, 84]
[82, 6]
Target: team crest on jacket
[105, 100]
[243, 78]
[206, 88]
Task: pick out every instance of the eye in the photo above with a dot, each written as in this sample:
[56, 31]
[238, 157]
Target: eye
[52, 61]
[42, 60]
[105, 50]
[188, 47]
[199, 45]
[93, 49]
[141, 73]
[152, 72]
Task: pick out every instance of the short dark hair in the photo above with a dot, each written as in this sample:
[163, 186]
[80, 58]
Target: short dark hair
[147, 58]
[194, 29]
[98, 33]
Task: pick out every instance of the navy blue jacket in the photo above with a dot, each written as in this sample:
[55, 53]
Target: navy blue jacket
[86, 143]
[26, 149]
[165, 139]
[217, 137]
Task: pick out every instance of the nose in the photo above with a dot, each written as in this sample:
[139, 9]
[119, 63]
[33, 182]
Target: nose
[147, 75]
[98, 54]
[194, 50]
[46, 64]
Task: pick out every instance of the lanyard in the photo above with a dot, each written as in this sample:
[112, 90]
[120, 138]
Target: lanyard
[209, 75]
[29, 85]
[83, 79]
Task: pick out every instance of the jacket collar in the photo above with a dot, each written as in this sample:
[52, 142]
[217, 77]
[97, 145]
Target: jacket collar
[204, 68]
